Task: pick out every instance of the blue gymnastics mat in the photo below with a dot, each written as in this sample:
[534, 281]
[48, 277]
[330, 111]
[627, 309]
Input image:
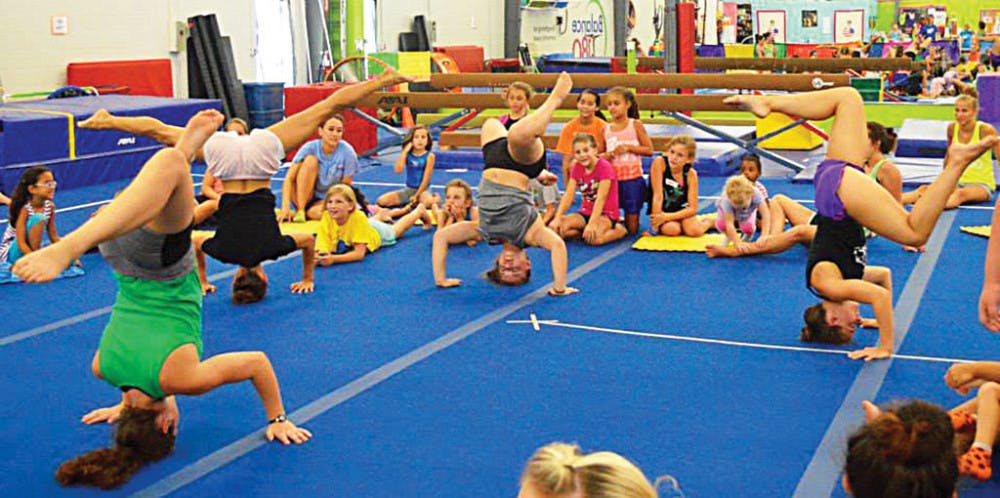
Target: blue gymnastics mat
[922, 138]
[45, 132]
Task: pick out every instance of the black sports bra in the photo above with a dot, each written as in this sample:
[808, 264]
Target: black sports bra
[496, 155]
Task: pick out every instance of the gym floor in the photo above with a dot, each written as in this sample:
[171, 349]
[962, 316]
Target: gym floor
[689, 366]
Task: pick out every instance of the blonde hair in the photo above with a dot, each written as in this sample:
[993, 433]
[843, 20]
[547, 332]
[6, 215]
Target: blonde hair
[739, 190]
[522, 86]
[344, 191]
[970, 98]
[559, 469]
[686, 141]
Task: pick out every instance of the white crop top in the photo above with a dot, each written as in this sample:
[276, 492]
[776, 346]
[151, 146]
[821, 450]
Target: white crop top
[256, 156]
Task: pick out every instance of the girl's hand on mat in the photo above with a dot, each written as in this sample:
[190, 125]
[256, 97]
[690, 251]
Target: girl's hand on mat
[285, 215]
[869, 323]
[109, 415]
[565, 292]
[303, 287]
[287, 432]
[868, 354]
[207, 288]
[989, 307]
[743, 247]
[169, 417]
[449, 282]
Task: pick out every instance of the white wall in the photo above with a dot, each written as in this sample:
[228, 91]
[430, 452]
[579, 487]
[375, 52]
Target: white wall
[34, 60]
[463, 22]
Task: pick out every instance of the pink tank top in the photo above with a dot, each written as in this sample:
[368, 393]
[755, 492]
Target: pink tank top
[627, 166]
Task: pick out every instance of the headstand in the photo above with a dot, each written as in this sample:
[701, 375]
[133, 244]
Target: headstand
[248, 231]
[152, 344]
[846, 201]
[506, 212]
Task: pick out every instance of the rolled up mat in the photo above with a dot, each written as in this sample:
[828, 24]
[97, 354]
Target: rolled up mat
[408, 42]
[420, 28]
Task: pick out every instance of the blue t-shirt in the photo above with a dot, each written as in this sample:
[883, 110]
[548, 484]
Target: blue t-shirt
[415, 166]
[966, 38]
[929, 31]
[343, 161]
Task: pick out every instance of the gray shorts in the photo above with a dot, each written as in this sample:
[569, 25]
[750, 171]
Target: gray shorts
[405, 194]
[505, 213]
[150, 256]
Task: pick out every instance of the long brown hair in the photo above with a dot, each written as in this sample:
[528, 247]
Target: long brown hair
[137, 442]
[817, 330]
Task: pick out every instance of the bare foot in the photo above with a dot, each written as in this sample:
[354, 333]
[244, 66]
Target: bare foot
[45, 264]
[198, 129]
[753, 103]
[101, 120]
[961, 155]
[563, 86]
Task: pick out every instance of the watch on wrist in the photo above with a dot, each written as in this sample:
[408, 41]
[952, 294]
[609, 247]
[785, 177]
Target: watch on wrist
[276, 420]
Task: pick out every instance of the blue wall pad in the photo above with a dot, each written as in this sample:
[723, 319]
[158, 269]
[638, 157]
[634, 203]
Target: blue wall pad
[922, 138]
[38, 132]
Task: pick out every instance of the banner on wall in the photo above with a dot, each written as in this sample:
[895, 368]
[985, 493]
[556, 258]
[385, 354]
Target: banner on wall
[582, 27]
[772, 21]
[992, 19]
[848, 26]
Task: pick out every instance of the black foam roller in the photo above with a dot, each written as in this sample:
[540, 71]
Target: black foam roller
[420, 28]
[408, 42]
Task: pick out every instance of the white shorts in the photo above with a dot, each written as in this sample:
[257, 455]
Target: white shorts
[256, 156]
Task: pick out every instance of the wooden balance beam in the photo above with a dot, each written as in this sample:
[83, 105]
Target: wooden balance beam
[471, 139]
[789, 64]
[790, 82]
[494, 100]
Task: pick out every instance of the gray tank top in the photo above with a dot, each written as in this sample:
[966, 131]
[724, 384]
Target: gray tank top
[151, 256]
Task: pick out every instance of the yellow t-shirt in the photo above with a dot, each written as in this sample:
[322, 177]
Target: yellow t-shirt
[355, 231]
[596, 128]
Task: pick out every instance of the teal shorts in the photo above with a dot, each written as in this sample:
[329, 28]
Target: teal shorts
[385, 231]
[15, 252]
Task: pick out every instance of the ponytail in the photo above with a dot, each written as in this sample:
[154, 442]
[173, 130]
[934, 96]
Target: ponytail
[138, 441]
[886, 137]
[559, 469]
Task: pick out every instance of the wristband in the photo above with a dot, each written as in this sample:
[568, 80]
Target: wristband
[276, 420]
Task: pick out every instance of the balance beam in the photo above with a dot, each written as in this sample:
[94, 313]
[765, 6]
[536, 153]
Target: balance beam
[789, 64]
[790, 82]
[435, 100]
[459, 139]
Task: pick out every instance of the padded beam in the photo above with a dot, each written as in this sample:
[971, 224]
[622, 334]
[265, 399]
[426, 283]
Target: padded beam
[789, 65]
[790, 82]
[431, 100]
[467, 139]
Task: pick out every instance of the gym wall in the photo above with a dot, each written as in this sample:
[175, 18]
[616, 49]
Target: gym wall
[465, 22]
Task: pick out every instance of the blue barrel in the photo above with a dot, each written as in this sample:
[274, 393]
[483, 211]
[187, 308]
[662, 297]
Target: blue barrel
[266, 102]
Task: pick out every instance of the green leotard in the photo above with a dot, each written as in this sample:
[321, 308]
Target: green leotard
[149, 320]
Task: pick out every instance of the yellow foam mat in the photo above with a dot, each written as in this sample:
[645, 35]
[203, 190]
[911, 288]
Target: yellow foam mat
[310, 227]
[678, 244]
[982, 231]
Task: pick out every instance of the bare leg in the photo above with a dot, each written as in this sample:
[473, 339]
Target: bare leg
[611, 234]
[873, 206]
[796, 213]
[848, 139]
[693, 227]
[159, 197]
[305, 182]
[296, 129]
[671, 229]
[524, 138]
[965, 195]
[137, 125]
[406, 222]
[977, 461]
[632, 223]
[35, 236]
[783, 241]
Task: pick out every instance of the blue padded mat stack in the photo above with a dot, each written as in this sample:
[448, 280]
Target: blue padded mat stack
[42, 132]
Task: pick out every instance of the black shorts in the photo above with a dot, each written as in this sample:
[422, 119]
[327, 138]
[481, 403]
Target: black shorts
[586, 219]
[248, 231]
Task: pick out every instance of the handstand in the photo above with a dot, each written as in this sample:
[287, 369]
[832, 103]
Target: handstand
[506, 212]
[152, 345]
[846, 201]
